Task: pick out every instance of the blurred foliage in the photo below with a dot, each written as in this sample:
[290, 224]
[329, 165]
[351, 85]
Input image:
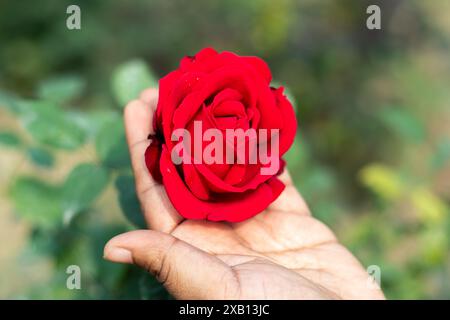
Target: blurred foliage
[372, 157]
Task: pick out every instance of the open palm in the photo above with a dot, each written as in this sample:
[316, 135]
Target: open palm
[281, 253]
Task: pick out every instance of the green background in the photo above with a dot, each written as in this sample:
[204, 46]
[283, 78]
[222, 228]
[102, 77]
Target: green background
[371, 157]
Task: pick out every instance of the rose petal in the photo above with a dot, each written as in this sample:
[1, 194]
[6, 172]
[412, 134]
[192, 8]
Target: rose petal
[260, 66]
[195, 182]
[229, 108]
[248, 205]
[219, 185]
[231, 77]
[152, 158]
[225, 95]
[189, 62]
[229, 208]
[270, 116]
[287, 132]
[235, 174]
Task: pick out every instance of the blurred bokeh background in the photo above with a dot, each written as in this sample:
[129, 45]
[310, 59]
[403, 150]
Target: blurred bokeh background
[372, 157]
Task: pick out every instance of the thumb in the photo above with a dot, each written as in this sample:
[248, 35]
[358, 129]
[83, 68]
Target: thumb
[186, 271]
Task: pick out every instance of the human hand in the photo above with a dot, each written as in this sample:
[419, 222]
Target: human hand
[281, 253]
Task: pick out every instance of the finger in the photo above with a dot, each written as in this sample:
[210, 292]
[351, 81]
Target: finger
[158, 211]
[149, 96]
[138, 117]
[187, 272]
[290, 199]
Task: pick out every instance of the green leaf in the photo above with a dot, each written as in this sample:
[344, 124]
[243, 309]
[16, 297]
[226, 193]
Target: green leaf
[92, 121]
[83, 185]
[111, 145]
[402, 122]
[9, 139]
[128, 200]
[36, 201]
[61, 89]
[51, 126]
[129, 79]
[42, 242]
[41, 157]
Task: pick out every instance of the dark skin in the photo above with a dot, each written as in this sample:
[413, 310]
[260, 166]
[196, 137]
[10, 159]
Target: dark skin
[281, 253]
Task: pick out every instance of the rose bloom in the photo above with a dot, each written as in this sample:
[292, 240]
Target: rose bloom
[223, 91]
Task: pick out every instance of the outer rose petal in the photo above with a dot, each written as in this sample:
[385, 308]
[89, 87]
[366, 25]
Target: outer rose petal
[260, 66]
[287, 132]
[233, 208]
[152, 158]
[207, 60]
[166, 85]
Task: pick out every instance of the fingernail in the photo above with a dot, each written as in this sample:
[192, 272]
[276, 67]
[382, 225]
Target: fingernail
[117, 254]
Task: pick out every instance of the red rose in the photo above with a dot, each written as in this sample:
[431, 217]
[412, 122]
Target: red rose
[219, 91]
